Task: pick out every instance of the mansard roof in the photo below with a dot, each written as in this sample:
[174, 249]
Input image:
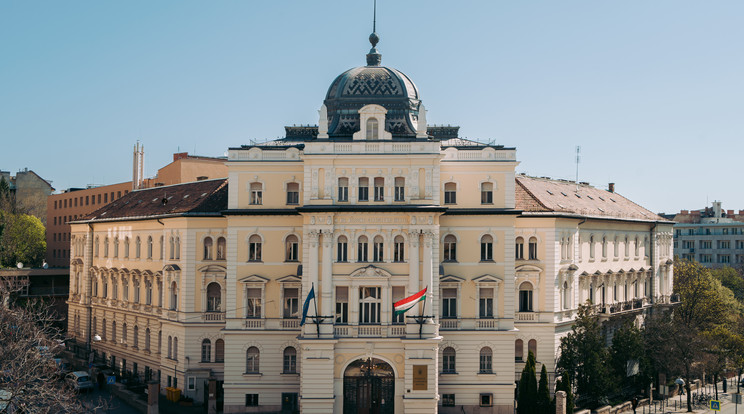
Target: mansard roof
[207, 197]
[544, 196]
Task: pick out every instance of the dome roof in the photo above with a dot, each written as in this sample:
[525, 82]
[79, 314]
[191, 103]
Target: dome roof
[372, 84]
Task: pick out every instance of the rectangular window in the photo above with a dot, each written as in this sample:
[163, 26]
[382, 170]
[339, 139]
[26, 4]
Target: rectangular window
[448, 400]
[525, 301]
[369, 305]
[343, 189]
[342, 305]
[191, 384]
[291, 302]
[87, 199]
[254, 251]
[99, 198]
[450, 193]
[251, 400]
[363, 189]
[342, 250]
[486, 302]
[253, 303]
[449, 303]
[486, 400]
[399, 250]
[362, 251]
[379, 189]
[377, 250]
[400, 189]
[293, 194]
[256, 194]
[487, 193]
[399, 293]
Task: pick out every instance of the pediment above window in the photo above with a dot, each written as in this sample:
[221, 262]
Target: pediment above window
[289, 279]
[254, 279]
[212, 268]
[172, 268]
[76, 262]
[487, 278]
[451, 279]
[528, 269]
[371, 271]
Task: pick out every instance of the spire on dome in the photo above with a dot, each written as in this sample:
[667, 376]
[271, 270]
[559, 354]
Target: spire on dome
[374, 58]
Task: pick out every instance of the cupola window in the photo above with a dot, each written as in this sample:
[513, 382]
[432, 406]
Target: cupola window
[372, 129]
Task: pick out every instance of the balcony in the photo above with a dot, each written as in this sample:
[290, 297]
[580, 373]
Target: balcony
[526, 317]
[449, 324]
[369, 331]
[288, 324]
[213, 316]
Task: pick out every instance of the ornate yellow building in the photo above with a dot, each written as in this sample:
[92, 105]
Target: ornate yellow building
[208, 279]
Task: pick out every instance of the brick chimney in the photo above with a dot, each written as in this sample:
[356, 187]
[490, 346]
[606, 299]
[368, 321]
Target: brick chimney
[611, 187]
[180, 155]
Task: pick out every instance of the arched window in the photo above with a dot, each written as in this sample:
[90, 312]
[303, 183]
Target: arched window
[486, 360]
[221, 248]
[136, 287]
[450, 193]
[219, 351]
[450, 248]
[96, 246]
[254, 248]
[604, 247]
[256, 194]
[208, 248]
[486, 244]
[591, 247]
[114, 288]
[616, 247]
[178, 247]
[106, 247]
[566, 296]
[103, 330]
[147, 339]
[172, 253]
[525, 297]
[105, 286]
[519, 248]
[148, 292]
[124, 289]
[448, 360]
[486, 193]
[290, 360]
[126, 247]
[293, 194]
[214, 297]
[518, 350]
[532, 347]
[636, 246]
[362, 250]
[292, 249]
[533, 248]
[124, 333]
[252, 360]
[162, 247]
[377, 249]
[399, 249]
[113, 331]
[175, 347]
[627, 247]
[206, 350]
[174, 296]
[116, 247]
[342, 249]
[372, 128]
[137, 247]
[135, 338]
[149, 247]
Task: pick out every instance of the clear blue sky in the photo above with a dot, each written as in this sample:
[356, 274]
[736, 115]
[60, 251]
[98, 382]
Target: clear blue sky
[652, 91]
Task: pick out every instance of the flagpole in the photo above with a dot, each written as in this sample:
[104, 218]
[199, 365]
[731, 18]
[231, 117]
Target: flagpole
[421, 318]
[316, 318]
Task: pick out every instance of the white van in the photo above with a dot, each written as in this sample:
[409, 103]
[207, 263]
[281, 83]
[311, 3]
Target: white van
[80, 380]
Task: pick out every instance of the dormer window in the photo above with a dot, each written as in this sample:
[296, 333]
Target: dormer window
[372, 129]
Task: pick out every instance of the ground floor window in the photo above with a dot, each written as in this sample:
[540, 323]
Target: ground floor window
[251, 400]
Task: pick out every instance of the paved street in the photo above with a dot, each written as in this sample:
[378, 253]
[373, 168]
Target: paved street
[114, 404]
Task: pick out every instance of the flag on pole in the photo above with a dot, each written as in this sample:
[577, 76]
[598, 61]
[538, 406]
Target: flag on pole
[306, 305]
[404, 305]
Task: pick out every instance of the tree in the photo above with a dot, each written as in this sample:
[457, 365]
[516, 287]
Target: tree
[732, 279]
[564, 384]
[585, 358]
[527, 391]
[22, 239]
[543, 393]
[28, 343]
[627, 348]
[697, 328]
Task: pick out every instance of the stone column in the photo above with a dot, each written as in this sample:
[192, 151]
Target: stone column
[312, 277]
[413, 263]
[428, 279]
[327, 281]
[560, 402]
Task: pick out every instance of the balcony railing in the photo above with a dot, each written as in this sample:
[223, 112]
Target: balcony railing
[526, 317]
[369, 331]
[213, 316]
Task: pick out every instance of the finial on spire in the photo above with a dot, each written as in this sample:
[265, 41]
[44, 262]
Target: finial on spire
[373, 57]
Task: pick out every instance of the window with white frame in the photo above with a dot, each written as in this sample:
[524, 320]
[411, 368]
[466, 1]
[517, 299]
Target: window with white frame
[398, 249]
[449, 303]
[342, 305]
[591, 247]
[379, 189]
[448, 361]
[486, 245]
[252, 357]
[362, 249]
[370, 301]
[293, 193]
[256, 194]
[373, 127]
[174, 296]
[214, 297]
[400, 189]
[291, 302]
[378, 249]
[292, 248]
[290, 360]
[148, 292]
[525, 297]
[485, 302]
[254, 300]
[254, 248]
[486, 361]
[533, 248]
[343, 189]
[206, 350]
[363, 194]
[221, 248]
[486, 193]
[342, 249]
[136, 287]
[519, 248]
[207, 248]
[450, 193]
[449, 253]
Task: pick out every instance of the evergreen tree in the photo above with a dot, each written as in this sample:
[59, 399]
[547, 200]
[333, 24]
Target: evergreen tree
[627, 347]
[543, 393]
[527, 398]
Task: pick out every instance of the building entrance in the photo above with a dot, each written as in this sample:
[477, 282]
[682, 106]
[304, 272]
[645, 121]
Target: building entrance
[369, 387]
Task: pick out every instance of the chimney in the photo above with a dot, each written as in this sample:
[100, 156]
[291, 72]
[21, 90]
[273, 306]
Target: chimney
[685, 212]
[180, 155]
[730, 212]
[611, 187]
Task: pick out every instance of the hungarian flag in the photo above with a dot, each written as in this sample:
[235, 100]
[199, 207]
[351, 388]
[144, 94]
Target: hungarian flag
[404, 305]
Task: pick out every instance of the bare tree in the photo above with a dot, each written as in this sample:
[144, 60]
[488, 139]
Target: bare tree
[29, 375]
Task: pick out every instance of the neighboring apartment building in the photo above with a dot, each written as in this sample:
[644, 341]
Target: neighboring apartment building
[207, 279]
[712, 236]
[29, 192]
[77, 202]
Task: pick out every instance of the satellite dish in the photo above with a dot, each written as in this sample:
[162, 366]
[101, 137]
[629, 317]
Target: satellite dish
[19, 265]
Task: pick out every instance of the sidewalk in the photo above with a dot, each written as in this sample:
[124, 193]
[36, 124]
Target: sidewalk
[673, 406]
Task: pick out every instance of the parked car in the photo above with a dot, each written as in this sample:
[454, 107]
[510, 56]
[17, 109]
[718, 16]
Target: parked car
[80, 381]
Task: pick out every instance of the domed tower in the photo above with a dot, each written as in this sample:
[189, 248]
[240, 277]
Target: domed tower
[373, 85]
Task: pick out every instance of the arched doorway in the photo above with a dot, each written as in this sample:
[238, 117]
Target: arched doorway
[369, 387]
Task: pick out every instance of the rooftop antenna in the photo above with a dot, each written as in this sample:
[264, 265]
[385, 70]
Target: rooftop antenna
[578, 159]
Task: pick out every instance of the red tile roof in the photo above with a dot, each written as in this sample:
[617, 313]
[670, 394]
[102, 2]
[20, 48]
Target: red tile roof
[543, 195]
[200, 197]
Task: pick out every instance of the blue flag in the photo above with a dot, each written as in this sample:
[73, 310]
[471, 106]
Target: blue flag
[306, 305]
